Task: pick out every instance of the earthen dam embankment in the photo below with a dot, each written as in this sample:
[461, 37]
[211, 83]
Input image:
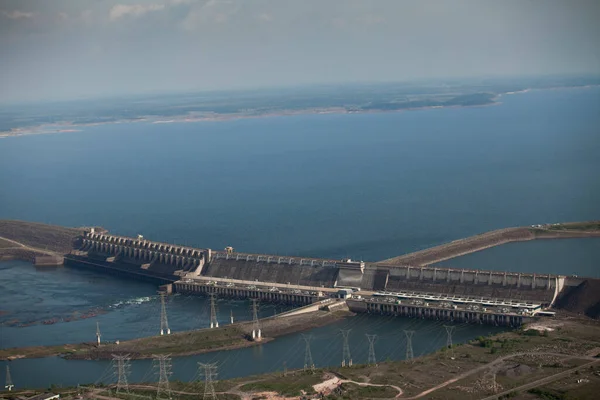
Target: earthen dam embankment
[486, 240]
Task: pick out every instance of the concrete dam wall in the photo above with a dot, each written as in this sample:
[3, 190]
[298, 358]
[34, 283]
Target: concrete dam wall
[264, 268]
[140, 256]
[147, 258]
[472, 283]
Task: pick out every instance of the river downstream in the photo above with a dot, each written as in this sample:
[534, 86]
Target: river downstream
[137, 314]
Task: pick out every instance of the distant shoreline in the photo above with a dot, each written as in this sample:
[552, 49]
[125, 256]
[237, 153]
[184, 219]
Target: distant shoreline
[68, 126]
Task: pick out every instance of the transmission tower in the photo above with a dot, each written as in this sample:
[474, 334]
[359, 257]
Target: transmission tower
[372, 360]
[346, 357]
[231, 316]
[8, 384]
[493, 382]
[449, 331]
[164, 324]
[98, 333]
[214, 323]
[308, 361]
[409, 348]
[256, 333]
[488, 381]
[121, 366]
[162, 363]
[209, 371]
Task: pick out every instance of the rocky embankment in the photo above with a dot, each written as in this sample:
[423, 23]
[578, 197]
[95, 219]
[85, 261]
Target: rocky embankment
[583, 298]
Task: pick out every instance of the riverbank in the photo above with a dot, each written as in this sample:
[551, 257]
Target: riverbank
[498, 237]
[228, 337]
[556, 358]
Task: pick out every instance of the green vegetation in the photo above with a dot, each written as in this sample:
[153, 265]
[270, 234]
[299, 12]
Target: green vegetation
[6, 244]
[43, 351]
[576, 226]
[291, 385]
[548, 394]
[351, 391]
[180, 343]
[40, 236]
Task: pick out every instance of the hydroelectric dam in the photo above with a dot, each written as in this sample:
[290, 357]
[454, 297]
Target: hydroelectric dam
[476, 296]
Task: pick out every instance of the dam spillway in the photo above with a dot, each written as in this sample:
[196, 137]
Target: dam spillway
[303, 280]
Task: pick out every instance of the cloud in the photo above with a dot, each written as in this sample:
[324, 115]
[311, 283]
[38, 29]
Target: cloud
[212, 11]
[16, 14]
[135, 10]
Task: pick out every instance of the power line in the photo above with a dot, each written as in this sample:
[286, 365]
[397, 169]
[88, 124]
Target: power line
[256, 333]
[214, 323]
[308, 361]
[371, 360]
[98, 332]
[346, 357]
[122, 367]
[488, 380]
[8, 383]
[449, 331]
[164, 323]
[162, 363]
[409, 348]
[209, 371]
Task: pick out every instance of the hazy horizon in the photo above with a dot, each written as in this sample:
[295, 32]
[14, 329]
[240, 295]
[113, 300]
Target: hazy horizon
[63, 49]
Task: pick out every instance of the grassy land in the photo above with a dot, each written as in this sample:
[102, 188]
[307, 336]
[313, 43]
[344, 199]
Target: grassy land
[569, 388]
[41, 236]
[576, 226]
[350, 391]
[569, 229]
[191, 342]
[43, 351]
[6, 244]
[290, 385]
[519, 357]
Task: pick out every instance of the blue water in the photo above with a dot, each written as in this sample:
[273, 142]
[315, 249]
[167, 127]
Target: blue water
[125, 309]
[564, 256]
[326, 349]
[367, 186]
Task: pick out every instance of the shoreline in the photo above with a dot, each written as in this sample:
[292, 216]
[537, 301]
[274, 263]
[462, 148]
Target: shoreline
[531, 356]
[232, 337]
[70, 127]
[186, 119]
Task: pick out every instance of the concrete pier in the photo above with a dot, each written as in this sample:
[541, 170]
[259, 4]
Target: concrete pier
[249, 290]
[475, 315]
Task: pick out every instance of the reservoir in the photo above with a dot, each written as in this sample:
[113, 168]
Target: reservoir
[364, 186]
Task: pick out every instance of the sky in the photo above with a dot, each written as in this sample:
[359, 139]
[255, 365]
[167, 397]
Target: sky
[66, 49]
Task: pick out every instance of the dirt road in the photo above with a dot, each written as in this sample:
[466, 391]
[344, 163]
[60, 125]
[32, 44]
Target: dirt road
[491, 364]
[542, 381]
